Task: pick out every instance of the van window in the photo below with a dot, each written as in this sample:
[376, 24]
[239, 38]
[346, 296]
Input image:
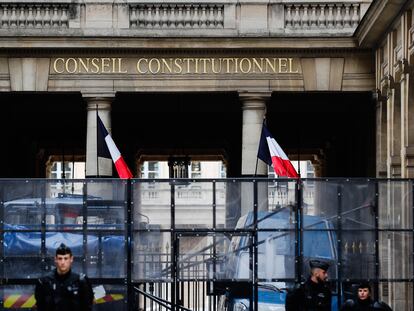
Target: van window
[318, 243]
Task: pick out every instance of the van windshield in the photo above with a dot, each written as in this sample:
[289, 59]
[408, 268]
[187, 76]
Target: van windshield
[318, 243]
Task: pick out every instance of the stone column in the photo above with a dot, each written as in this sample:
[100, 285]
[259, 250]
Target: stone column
[103, 105]
[254, 110]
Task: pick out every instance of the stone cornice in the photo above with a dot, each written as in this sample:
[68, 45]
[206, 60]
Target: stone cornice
[378, 19]
[59, 43]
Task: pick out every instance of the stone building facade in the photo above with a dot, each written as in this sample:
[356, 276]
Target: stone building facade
[196, 79]
[99, 50]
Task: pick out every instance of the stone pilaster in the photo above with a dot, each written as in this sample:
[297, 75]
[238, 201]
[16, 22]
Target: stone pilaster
[381, 152]
[97, 167]
[407, 120]
[392, 89]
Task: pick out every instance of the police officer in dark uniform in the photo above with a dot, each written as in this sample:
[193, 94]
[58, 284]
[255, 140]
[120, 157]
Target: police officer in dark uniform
[364, 301]
[314, 294]
[64, 290]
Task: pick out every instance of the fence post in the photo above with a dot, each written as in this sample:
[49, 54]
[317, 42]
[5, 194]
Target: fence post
[2, 198]
[256, 248]
[43, 226]
[339, 244]
[129, 246]
[412, 232]
[85, 225]
[213, 298]
[377, 259]
[299, 231]
[174, 255]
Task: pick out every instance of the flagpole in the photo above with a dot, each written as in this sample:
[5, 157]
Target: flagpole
[73, 169]
[260, 137]
[299, 154]
[97, 138]
[257, 157]
[255, 170]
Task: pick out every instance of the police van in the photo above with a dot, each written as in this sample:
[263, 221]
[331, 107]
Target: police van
[276, 259]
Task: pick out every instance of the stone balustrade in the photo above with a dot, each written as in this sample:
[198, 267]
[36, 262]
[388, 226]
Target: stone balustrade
[303, 16]
[34, 15]
[177, 16]
[182, 18]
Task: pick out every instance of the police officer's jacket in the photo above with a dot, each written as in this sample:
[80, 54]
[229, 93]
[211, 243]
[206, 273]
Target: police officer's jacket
[68, 292]
[365, 305]
[309, 296]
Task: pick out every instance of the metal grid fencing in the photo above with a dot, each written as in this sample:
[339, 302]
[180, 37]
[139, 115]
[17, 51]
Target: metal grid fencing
[224, 244]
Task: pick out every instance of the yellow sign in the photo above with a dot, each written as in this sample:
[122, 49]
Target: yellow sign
[176, 66]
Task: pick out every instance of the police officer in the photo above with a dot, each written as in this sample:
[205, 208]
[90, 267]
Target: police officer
[314, 294]
[64, 290]
[364, 301]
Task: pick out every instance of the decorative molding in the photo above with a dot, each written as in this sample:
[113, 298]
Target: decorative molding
[176, 15]
[384, 69]
[170, 45]
[377, 21]
[387, 85]
[34, 15]
[411, 44]
[401, 68]
[398, 53]
[379, 97]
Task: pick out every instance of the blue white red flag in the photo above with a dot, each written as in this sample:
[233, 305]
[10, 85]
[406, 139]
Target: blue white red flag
[271, 153]
[107, 149]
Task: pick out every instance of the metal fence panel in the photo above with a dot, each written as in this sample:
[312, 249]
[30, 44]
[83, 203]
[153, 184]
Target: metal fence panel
[207, 244]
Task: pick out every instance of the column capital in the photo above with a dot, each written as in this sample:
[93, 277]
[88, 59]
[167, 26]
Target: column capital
[100, 103]
[254, 100]
[254, 96]
[103, 94]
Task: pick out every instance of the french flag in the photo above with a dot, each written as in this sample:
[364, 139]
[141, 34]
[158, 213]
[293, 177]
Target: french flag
[107, 149]
[271, 153]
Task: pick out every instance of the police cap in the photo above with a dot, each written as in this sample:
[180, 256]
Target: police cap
[364, 284]
[63, 250]
[319, 264]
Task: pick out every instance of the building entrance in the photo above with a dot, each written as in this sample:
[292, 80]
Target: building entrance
[335, 131]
